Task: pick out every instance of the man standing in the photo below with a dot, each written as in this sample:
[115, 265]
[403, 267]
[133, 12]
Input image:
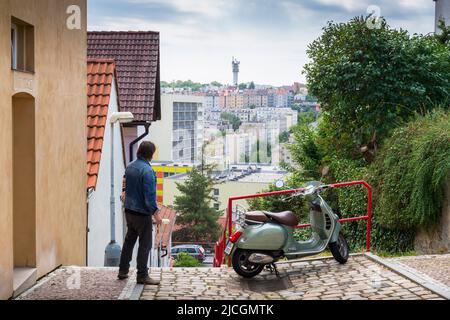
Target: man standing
[140, 207]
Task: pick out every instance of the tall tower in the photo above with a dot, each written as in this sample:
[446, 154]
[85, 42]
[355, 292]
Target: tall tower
[442, 12]
[235, 65]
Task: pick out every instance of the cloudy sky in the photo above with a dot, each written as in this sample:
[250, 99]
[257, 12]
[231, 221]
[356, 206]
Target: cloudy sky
[269, 37]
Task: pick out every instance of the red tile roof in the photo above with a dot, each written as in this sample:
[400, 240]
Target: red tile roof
[222, 221]
[166, 213]
[100, 74]
[137, 66]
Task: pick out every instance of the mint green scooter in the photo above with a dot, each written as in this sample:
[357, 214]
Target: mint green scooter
[262, 238]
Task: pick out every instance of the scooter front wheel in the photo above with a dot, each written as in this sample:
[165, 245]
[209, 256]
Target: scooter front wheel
[339, 249]
[242, 266]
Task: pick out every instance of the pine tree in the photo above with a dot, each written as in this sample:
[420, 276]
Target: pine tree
[197, 218]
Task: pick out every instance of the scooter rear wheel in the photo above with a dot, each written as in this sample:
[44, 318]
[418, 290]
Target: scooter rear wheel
[339, 249]
[242, 266]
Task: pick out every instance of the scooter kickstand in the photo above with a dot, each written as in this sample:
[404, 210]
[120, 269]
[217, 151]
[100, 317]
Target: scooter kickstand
[274, 268]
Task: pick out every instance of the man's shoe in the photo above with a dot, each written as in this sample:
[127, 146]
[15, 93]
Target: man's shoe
[122, 275]
[147, 281]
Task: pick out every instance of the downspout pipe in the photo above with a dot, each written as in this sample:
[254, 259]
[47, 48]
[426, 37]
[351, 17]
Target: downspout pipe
[89, 194]
[142, 136]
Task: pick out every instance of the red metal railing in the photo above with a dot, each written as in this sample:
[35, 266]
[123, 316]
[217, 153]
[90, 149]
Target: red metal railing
[220, 245]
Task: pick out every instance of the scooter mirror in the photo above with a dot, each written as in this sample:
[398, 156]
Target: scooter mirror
[279, 184]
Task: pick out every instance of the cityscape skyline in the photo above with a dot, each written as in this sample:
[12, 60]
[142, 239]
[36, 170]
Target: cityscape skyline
[270, 38]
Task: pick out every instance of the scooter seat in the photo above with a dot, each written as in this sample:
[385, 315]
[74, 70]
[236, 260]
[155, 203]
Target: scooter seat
[257, 216]
[287, 218]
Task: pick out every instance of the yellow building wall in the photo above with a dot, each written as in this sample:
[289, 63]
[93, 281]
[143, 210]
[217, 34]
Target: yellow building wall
[160, 170]
[58, 87]
[226, 190]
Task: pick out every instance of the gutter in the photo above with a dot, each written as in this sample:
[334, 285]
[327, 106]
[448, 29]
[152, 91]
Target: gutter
[89, 194]
[147, 127]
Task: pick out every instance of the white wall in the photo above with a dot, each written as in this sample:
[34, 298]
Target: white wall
[165, 262]
[160, 132]
[226, 190]
[129, 134]
[99, 203]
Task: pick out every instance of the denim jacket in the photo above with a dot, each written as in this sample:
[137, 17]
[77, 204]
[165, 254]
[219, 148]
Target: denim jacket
[140, 188]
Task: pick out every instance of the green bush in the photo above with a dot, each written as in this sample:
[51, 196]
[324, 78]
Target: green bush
[408, 175]
[185, 260]
[352, 201]
[412, 170]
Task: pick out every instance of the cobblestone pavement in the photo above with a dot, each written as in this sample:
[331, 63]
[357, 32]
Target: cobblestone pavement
[436, 267]
[360, 278]
[74, 283]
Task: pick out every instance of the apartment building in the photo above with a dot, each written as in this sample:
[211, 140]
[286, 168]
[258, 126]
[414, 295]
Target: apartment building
[179, 134]
[211, 102]
[288, 115]
[238, 147]
[257, 99]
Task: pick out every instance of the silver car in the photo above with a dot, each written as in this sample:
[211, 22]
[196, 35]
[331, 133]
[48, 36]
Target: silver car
[194, 250]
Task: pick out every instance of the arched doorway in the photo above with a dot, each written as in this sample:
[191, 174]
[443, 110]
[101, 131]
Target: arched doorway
[24, 188]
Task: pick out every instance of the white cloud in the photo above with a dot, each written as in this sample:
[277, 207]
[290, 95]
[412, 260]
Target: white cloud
[348, 5]
[209, 8]
[296, 11]
[415, 5]
[199, 46]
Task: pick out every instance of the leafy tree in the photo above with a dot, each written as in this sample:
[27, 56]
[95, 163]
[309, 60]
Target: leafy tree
[371, 80]
[307, 117]
[216, 84]
[251, 85]
[310, 98]
[197, 218]
[231, 118]
[242, 86]
[194, 86]
[284, 137]
[306, 152]
[444, 36]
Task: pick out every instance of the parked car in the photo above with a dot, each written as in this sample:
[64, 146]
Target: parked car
[194, 250]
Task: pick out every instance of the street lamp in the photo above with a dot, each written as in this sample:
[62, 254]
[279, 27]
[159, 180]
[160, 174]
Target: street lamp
[113, 250]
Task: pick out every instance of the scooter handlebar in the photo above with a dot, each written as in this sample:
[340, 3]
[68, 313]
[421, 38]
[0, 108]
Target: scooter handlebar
[303, 191]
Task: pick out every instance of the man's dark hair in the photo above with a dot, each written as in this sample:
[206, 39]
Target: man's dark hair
[146, 150]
